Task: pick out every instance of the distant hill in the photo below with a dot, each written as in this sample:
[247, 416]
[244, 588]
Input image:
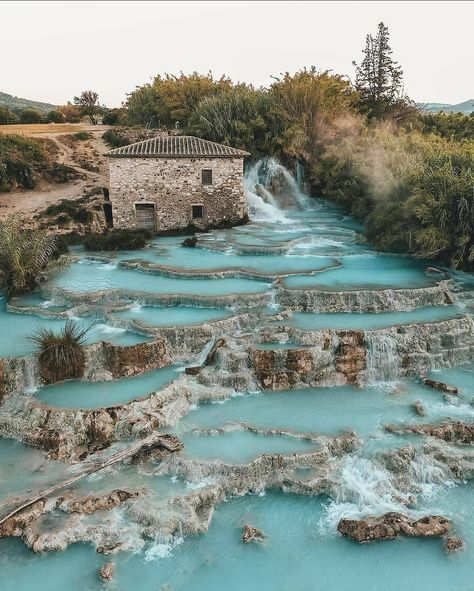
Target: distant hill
[466, 107]
[14, 103]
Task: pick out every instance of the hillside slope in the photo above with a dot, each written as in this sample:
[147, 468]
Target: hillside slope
[465, 107]
[14, 102]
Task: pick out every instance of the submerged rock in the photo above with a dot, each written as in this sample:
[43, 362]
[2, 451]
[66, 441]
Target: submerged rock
[189, 242]
[451, 432]
[441, 386]
[453, 544]
[108, 550]
[107, 571]
[391, 525]
[252, 534]
[419, 408]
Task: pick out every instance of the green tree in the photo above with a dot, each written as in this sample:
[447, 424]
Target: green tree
[171, 100]
[89, 106]
[31, 116]
[314, 108]
[7, 117]
[242, 117]
[379, 79]
[56, 116]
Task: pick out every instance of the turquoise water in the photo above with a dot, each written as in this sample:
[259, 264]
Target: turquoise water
[328, 411]
[83, 394]
[462, 377]
[368, 271]
[23, 468]
[15, 330]
[298, 554]
[313, 321]
[89, 276]
[240, 447]
[318, 249]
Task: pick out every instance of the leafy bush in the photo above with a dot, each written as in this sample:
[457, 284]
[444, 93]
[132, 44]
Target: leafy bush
[115, 139]
[69, 209]
[24, 255]
[117, 240]
[31, 116]
[61, 354]
[7, 117]
[81, 136]
[59, 173]
[56, 116]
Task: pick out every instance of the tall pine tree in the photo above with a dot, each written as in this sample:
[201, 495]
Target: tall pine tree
[379, 78]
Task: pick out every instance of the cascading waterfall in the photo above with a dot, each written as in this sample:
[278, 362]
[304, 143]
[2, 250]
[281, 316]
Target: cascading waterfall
[269, 187]
[382, 357]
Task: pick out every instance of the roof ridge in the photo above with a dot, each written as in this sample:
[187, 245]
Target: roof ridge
[176, 146]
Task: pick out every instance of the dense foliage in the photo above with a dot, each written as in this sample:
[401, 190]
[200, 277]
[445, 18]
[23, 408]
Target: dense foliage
[452, 126]
[171, 100]
[117, 240]
[61, 354]
[24, 255]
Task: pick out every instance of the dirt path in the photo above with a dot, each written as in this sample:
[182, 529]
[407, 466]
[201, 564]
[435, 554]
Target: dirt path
[33, 201]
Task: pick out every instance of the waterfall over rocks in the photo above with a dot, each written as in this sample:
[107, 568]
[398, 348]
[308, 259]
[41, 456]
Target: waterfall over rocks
[382, 357]
[271, 189]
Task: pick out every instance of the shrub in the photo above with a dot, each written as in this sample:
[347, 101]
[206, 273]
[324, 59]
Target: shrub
[31, 116]
[24, 255]
[7, 116]
[56, 116]
[68, 209]
[115, 139]
[81, 136]
[61, 354]
[117, 240]
[60, 173]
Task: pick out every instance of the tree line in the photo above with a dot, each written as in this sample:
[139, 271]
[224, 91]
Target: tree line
[363, 143]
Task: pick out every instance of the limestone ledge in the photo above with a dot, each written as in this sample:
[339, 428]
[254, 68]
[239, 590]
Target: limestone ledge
[119, 296]
[383, 300]
[142, 516]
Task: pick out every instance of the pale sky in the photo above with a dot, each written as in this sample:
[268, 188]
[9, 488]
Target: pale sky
[52, 51]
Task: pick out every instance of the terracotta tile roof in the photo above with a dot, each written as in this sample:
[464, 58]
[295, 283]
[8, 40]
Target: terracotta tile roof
[176, 146]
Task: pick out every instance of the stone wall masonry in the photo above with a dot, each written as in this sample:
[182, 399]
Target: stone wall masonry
[174, 185]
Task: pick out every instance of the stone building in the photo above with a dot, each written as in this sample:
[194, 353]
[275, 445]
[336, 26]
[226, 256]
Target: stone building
[176, 182]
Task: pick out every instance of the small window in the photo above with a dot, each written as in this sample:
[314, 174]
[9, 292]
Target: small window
[206, 176]
[198, 212]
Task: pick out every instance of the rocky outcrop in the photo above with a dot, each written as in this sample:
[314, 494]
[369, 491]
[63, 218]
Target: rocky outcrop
[107, 571]
[312, 300]
[252, 534]
[92, 503]
[453, 544]
[190, 242]
[455, 432]
[419, 408]
[441, 386]
[391, 525]
[351, 354]
[128, 361]
[282, 369]
[17, 524]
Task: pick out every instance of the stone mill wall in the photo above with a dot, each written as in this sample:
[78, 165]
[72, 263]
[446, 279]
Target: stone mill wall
[174, 185]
